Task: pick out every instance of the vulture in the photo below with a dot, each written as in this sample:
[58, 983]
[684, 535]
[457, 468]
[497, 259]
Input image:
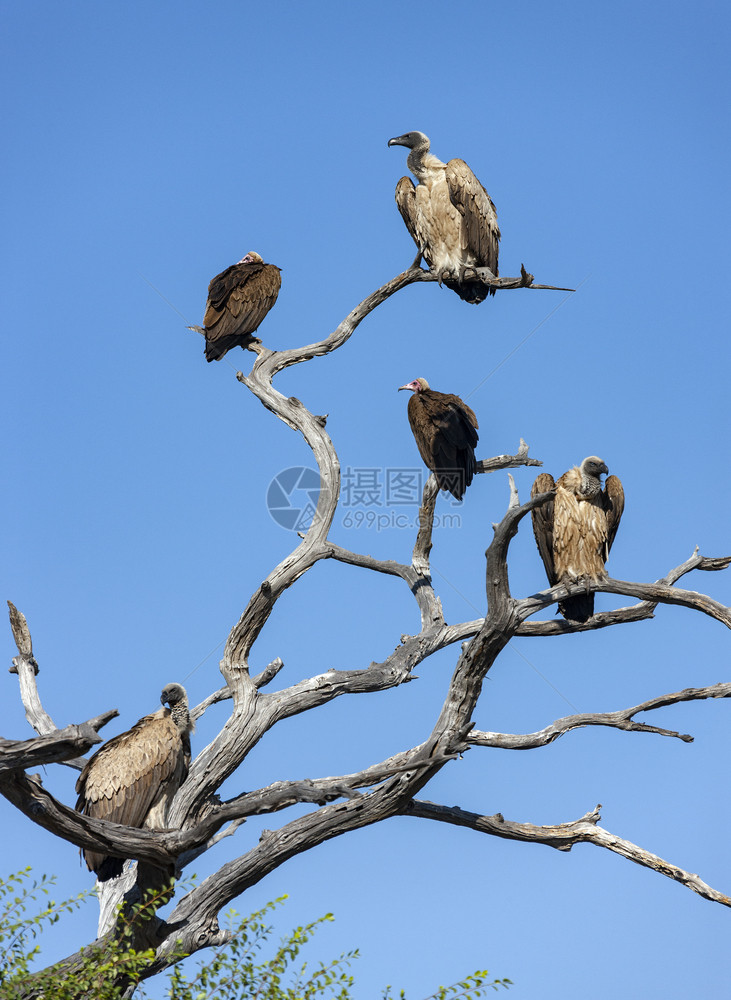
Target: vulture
[575, 530]
[450, 216]
[445, 430]
[238, 300]
[132, 779]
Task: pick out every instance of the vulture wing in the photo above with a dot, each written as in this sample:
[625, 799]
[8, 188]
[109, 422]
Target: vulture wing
[542, 518]
[480, 231]
[238, 300]
[445, 430]
[406, 202]
[614, 495]
[123, 780]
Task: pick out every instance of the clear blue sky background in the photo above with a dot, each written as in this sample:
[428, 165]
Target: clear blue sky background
[148, 146]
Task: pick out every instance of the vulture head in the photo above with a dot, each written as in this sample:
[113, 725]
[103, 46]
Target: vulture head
[593, 466]
[176, 697]
[172, 694]
[412, 140]
[418, 385]
[252, 257]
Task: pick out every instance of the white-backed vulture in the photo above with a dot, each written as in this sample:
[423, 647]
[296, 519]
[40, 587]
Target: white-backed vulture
[238, 300]
[132, 779]
[575, 530]
[445, 430]
[450, 216]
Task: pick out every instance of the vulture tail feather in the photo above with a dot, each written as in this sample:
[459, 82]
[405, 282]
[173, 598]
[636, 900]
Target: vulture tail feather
[109, 868]
[216, 350]
[577, 609]
[473, 292]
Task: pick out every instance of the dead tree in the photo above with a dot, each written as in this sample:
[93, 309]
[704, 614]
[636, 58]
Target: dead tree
[386, 788]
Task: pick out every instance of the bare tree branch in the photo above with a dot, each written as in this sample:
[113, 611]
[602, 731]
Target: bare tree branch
[198, 820]
[26, 667]
[563, 838]
[622, 719]
[485, 275]
[224, 694]
[56, 747]
[651, 593]
[21, 634]
[638, 612]
[508, 461]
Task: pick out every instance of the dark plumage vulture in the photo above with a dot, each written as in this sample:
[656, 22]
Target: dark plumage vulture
[238, 300]
[575, 530]
[445, 430]
[450, 216]
[132, 779]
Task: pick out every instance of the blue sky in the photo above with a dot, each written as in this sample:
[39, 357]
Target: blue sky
[148, 146]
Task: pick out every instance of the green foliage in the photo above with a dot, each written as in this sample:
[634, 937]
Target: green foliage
[470, 988]
[18, 932]
[100, 968]
[235, 971]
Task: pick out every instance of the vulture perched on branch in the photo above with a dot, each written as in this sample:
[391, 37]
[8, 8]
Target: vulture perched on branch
[575, 529]
[132, 779]
[450, 216]
[445, 430]
[238, 300]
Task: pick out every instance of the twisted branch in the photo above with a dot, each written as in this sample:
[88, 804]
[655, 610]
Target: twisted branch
[622, 719]
[198, 820]
[563, 837]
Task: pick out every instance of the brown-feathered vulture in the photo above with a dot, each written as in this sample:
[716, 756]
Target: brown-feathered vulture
[238, 300]
[445, 430]
[575, 530]
[132, 779]
[450, 216]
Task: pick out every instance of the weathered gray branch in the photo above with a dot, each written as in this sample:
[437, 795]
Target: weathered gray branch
[251, 715]
[637, 612]
[484, 274]
[164, 848]
[57, 747]
[386, 789]
[563, 837]
[651, 593]
[26, 667]
[224, 694]
[623, 719]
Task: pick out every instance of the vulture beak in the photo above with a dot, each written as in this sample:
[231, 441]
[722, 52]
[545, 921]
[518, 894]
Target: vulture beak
[411, 387]
[396, 141]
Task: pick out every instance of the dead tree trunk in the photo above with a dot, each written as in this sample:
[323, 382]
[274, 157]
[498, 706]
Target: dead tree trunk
[385, 788]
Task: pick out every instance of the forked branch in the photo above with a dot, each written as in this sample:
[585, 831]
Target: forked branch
[623, 719]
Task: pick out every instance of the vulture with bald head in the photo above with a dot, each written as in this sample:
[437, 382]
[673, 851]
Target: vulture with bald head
[133, 778]
[238, 300]
[445, 430]
[450, 216]
[575, 530]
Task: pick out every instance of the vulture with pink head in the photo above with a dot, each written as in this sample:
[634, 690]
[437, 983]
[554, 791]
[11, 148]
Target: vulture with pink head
[445, 430]
[133, 778]
[450, 216]
[238, 300]
[575, 530]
